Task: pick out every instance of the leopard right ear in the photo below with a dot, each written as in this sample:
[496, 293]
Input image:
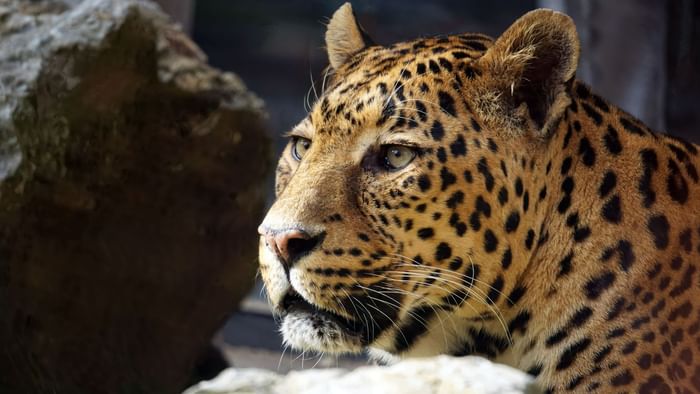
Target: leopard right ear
[529, 67]
[344, 36]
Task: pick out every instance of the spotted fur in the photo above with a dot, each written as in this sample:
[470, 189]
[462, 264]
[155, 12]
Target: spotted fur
[538, 225]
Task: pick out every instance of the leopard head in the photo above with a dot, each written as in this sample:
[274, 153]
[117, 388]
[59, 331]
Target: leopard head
[388, 227]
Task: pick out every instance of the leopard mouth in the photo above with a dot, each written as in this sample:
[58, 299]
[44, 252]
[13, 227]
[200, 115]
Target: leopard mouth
[293, 304]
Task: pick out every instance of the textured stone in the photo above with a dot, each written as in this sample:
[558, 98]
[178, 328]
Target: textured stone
[439, 375]
[131, 184]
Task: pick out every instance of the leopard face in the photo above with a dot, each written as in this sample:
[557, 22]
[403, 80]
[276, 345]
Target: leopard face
[464, 195]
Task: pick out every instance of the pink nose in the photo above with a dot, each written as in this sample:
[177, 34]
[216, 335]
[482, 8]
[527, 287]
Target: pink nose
[289, 245]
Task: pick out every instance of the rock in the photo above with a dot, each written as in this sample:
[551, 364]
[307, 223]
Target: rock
[131, 185]
[439, 375]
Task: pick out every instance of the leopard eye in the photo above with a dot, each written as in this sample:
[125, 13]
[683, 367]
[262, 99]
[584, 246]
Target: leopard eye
[299, 147]
[396, 157]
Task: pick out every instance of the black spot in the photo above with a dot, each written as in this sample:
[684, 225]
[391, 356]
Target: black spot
[455, 199]
[567, 137]
[617, 332]
[425, 233]
[631, 127]
[598, 284]
[650, 165]
[593, 114]
[600, 103]
[580, 317]
[581, 234]
[503, 196]
[512, 222]
[572, 220]
[566, 165]
[503, 168]
[656, 385]
[565, 264]
[519, 322]
[445, 64]
[535, 370]
[616, 309]
[543, 193]
[612, 141]
[685, 283]
[474, 221]
[506, 259]
[518, 187]
[676, 184]
[515, 295]
[447, 178]
[556, 338]
[626, 254]
[443, 251]
[608, 184]
[437, 131]
[644, 361]
[493, 147]
[622, 379]
[686, 240]
[482, 206]
[447, 103]
[601, 354]
[629, 347]
[483, 168]
[456, 263]
[441, 155]
[420, 68]
[564, 203]
[422, 111]
[569, 355]
[529, 239]
[659, 227]
[363, 237]
[495, 291]
[434, 68]
[587, 152]
[526, 201]
[612, 212]
[414, 327]
[485, 343]
[567, 186]
[490, 241]
[424, 182]
[582, 91]
[388, 111]
[676, 263]
[458, 147]
[476, 126]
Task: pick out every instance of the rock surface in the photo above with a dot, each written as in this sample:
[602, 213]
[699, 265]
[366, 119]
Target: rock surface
[131, 184]
[439, 375]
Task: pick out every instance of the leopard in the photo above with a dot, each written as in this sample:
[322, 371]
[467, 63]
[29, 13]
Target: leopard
[463, 195]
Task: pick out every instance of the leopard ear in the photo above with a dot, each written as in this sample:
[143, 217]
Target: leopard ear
[531, 64]
[344, 36]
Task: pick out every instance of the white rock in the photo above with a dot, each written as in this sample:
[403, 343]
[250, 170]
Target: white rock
[439, 375]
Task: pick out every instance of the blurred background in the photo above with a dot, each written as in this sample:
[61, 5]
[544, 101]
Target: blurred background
[640, 54]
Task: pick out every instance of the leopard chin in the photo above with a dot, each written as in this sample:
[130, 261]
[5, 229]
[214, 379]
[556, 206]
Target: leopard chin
[306, 327]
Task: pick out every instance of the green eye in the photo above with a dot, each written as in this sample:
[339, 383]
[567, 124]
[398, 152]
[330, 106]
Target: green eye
[299, 147]
[396, 157]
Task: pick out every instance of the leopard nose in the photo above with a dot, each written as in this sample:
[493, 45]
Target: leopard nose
[290, 245]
